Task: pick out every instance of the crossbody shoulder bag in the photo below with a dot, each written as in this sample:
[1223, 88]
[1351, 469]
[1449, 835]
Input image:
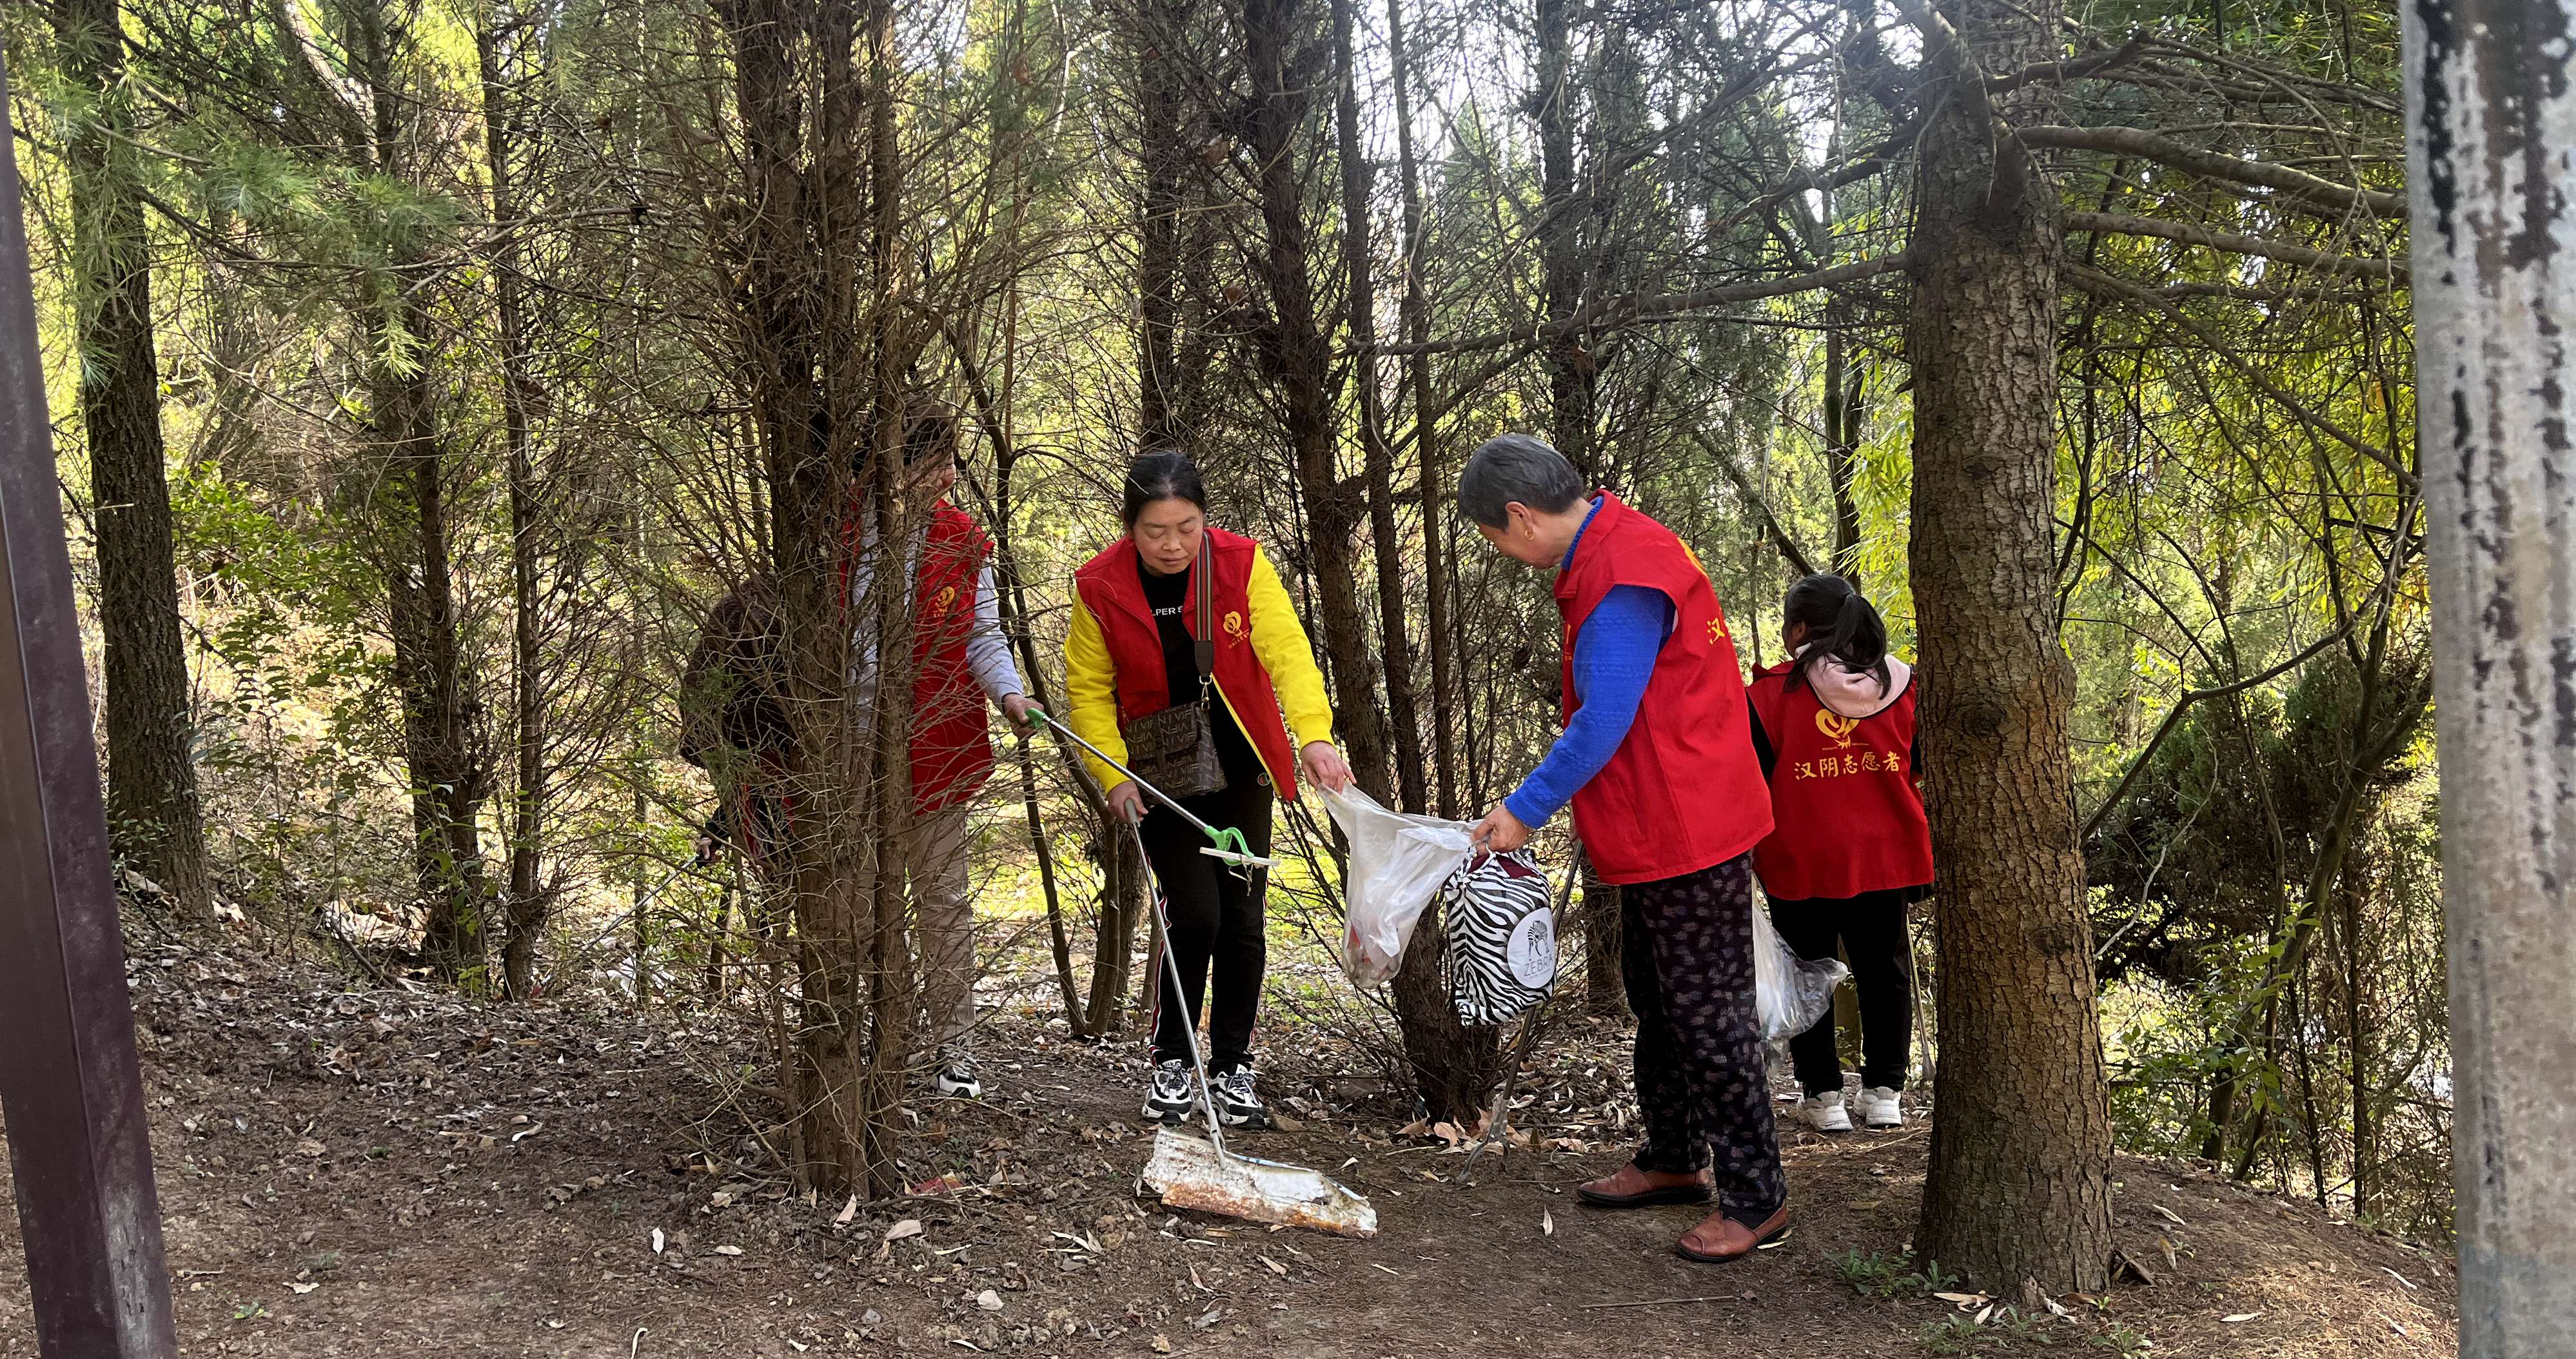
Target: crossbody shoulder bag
[1175, 749]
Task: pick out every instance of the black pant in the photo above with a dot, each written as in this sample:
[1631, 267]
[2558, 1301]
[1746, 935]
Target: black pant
[1216, 920]
[1686, 951]
[1871, 929]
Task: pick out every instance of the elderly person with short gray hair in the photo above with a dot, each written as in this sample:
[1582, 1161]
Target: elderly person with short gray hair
[1657, 762]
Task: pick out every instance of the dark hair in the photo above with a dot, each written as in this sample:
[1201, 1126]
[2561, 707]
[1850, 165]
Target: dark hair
[930, 429]
[1839, 624]
[1511, 467]
[1164, 474]
[930, 426]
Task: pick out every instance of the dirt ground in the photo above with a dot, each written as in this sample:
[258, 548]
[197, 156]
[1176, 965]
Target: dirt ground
[379, 1172]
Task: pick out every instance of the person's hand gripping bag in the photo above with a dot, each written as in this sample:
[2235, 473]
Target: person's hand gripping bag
[1398, 861]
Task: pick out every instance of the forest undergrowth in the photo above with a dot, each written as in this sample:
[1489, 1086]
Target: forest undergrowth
[348, 1168]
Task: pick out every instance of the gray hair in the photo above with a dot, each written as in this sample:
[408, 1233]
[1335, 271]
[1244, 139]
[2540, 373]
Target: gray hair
[1520, 467]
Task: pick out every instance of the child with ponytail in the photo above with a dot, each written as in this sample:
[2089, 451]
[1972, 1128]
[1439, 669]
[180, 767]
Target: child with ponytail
[1850, 850]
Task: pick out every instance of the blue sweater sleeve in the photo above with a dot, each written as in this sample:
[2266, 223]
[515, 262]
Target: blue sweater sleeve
[1614, 656]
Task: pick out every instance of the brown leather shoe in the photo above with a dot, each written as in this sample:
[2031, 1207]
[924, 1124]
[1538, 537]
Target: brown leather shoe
[1720, 1238]
[1629, 1187]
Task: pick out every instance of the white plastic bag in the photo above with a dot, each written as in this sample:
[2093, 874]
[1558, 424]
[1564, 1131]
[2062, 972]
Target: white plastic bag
[1398, 861]
[1789, 992]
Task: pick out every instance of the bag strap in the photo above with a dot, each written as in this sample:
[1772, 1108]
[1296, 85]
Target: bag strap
[1206, 638]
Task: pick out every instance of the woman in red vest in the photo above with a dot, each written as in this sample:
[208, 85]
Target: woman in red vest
[1834, 727]
[960, 659]
[1130, 651]
[1657, 761]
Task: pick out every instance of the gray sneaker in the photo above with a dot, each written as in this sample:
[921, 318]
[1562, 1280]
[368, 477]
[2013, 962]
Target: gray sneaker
[1169, 1099]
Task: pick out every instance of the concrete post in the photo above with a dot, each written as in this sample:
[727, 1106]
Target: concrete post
[2491, 121]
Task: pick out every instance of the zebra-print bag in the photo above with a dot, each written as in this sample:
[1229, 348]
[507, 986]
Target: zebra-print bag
[1502, 937]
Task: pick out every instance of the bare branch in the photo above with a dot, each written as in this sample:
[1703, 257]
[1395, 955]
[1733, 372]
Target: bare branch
[1753, 497]
[2324, 261]
[2298, 184]
[1628, 310]
[2102, 284]
[2064, 72]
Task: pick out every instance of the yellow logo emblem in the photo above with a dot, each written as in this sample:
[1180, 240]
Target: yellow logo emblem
[947, 598]
[1694, 558]
[1233, 624]
[1838, 729]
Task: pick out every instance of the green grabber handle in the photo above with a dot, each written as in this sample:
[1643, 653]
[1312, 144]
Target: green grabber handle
[1225, 843]
[1230, 845]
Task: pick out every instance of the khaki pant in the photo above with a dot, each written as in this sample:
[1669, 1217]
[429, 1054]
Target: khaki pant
[934, 861]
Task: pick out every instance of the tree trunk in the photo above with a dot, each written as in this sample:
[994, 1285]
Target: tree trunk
[443, 758]
[2019, 1186]
[1416, 309]
[412, 554]
[152, 804]
[804, 255]
[1452, 1064]
[1404, 722]
[1298, 356]
[1605, 987]
[1162, 98]
[525, 910]
[1570, 370]
[1113, 951]
[1097, 1013]
[1842, 439]
[2356, 1026]
[894, 985]
[2489, 103]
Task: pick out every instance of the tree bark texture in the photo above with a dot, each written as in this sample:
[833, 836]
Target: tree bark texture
[1416, 315]
[1571, 374]
[1403, 721]
[805, 246]
[443, 753]
[1162, 34]
[893, 997]
[2491, 113]
[152, 806]
[524, 909]
[1298, 356]
[2019, 1186]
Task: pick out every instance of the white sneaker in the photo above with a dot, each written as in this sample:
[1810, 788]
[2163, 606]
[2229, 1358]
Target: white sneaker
[1825, 1112]
[1879, 1107]
[956, 1075]
[1171, 1098]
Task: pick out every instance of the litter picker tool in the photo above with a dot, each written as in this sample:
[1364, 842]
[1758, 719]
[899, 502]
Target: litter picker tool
[1225, 842]
[1201, 1174]
[1190, 1173]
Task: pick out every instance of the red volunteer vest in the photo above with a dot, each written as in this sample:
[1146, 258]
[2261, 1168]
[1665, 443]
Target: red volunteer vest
[1684, 791]
[1850, 818]
[1111, 590]
[952, 745]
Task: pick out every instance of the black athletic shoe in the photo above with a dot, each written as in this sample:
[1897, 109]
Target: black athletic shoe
[1170, 1099]
[1237, 1103]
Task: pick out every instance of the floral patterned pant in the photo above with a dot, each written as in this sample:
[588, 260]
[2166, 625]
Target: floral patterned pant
[1686, 952]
